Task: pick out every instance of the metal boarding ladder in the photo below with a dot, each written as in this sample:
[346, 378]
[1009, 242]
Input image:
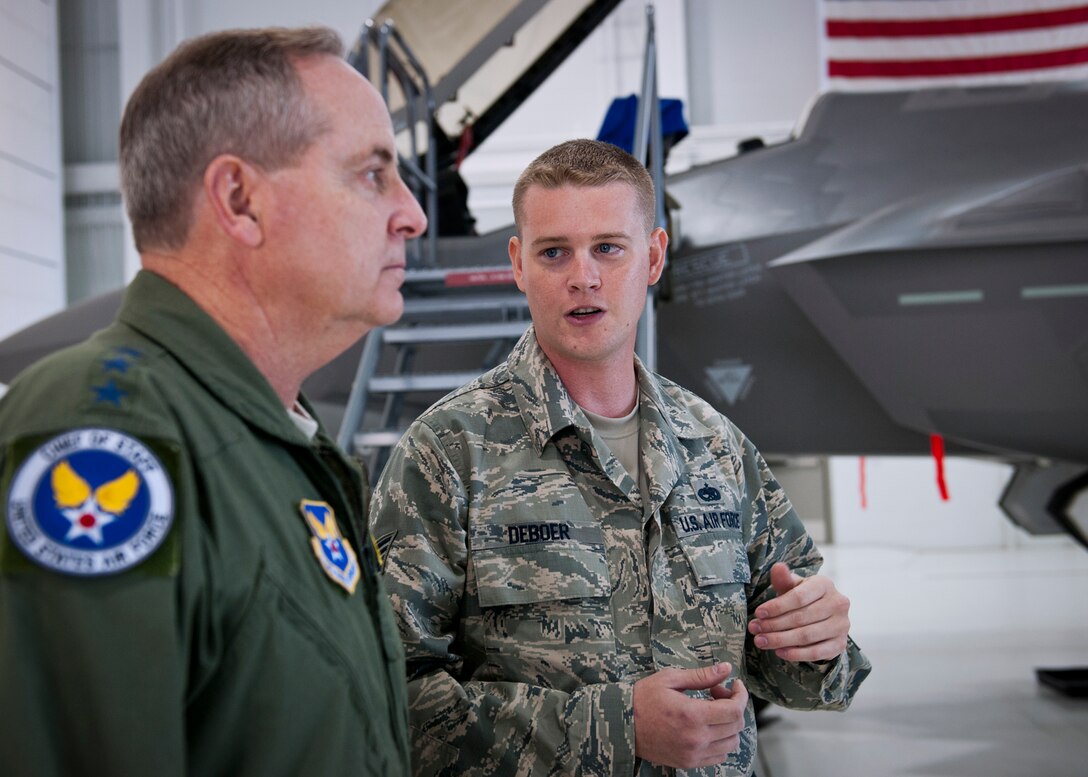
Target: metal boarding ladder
[486, 317]
[649, 149]
[454, 321]
[432, 328]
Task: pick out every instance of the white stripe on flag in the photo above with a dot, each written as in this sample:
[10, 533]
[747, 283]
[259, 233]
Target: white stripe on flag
[903, 44]
[935, 9]
[962, 46]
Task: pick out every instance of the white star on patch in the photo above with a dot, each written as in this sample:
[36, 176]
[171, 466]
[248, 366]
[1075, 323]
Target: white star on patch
[87, 520]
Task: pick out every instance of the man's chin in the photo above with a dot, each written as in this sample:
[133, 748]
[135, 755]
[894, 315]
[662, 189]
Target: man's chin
[391, 310]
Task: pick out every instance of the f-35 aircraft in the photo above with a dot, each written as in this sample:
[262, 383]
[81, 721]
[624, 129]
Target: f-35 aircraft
[910, 264]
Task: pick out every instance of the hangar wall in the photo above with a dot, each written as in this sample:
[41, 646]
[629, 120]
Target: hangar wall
[31, 174]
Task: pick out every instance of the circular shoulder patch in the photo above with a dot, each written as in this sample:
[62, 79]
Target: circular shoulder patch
[90, 502]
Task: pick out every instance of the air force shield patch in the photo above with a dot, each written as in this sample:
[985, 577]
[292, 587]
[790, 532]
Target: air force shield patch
[90, 502]
[332, 549]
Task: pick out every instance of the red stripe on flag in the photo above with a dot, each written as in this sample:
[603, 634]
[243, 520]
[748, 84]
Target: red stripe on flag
[966, 25]
[910, 68]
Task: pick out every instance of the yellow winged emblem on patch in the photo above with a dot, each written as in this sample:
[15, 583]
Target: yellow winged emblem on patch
[325, 528]
[332, 549]
[71, 490]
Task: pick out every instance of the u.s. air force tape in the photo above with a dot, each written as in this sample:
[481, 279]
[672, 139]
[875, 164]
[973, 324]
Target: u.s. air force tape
[89, 502]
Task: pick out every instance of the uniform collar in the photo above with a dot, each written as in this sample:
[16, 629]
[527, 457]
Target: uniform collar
[547, 407]
[545, 404]
[672, 411]
[164, 313]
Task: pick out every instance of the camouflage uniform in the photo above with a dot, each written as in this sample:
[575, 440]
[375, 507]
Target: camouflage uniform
[533, 587]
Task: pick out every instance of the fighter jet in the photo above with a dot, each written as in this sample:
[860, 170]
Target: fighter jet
[909, 264]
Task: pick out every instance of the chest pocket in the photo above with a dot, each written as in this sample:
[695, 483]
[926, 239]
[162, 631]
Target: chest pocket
[542, 584]
[701, 610]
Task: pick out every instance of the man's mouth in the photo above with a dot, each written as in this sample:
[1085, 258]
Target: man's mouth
[583, 312]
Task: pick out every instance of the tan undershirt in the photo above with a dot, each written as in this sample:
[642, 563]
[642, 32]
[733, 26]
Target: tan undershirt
[622, 435]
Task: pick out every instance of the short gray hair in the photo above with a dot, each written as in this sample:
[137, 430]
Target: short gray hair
[236, 92]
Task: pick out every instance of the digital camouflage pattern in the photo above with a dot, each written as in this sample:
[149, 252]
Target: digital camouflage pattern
[533, 587]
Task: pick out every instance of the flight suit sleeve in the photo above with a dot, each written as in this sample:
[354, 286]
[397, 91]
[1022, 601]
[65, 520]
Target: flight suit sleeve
[779, 535]
[462, 725]
[91, 670]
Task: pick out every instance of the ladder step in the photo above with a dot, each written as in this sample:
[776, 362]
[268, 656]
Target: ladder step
[378, 438]
[433, 381]
[430, 274]
[416, 305]
[455, 332]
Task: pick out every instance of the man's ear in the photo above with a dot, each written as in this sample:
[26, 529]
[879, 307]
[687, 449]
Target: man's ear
[230, 184]
[659, 244]
[514, 247]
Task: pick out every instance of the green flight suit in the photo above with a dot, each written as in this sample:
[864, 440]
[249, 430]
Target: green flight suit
[533, 584]
[228, 649]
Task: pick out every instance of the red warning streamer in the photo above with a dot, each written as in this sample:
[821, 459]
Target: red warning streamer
[936, 447]
[861, 482]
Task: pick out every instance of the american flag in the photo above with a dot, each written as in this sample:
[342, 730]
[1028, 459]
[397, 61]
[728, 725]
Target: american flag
[907, 44]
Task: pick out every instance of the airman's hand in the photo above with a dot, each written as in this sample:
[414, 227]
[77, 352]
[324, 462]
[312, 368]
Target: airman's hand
[808, 620]
[673, 729]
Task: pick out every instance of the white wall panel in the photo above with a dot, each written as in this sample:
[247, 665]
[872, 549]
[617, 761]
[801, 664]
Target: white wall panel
[752, 61]
[29, 217]
[31, 221]
[30, 281]
[27, 108]
[28, 44]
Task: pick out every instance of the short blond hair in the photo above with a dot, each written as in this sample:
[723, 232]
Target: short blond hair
[585, 162]
[235, 91]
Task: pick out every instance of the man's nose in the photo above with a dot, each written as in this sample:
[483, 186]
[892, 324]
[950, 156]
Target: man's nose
[408, 218]
[584, 274]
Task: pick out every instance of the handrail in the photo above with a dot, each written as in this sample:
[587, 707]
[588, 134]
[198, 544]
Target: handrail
[649, 149]
[648, 145]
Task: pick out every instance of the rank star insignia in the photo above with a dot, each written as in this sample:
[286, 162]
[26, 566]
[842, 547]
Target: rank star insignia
[332, 549]
[108, 393]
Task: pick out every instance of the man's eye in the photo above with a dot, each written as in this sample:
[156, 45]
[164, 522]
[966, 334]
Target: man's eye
[375, 177]
[608, 248]
[551, 253]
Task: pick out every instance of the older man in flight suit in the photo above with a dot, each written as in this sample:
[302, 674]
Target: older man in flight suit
[187, 583]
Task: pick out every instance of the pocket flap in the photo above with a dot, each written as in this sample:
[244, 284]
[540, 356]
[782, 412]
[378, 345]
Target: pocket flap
[716, 558]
